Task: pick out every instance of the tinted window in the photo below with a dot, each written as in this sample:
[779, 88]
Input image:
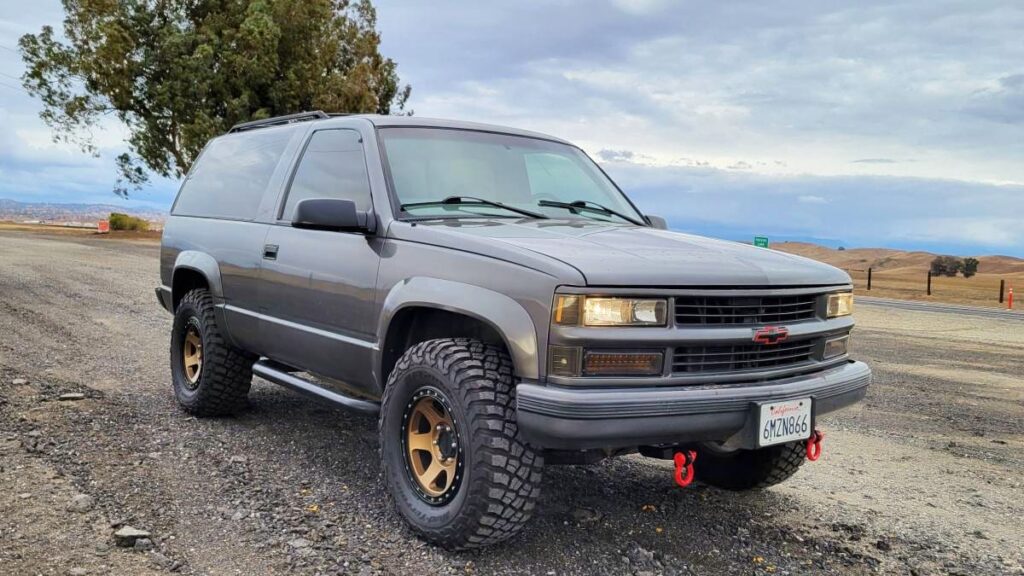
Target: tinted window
[332, 166]
[231, 175]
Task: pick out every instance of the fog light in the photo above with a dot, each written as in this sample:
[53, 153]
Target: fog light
[836, 347]
[563, 361]
[622, 363]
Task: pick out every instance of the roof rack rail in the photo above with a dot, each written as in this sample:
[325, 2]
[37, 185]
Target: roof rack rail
[279, 120]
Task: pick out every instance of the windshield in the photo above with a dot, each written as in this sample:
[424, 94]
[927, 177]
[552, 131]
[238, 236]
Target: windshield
[428, 165]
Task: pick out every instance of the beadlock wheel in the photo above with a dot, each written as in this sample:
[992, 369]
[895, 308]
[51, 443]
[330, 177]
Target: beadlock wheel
[432, 446]
[192, 354]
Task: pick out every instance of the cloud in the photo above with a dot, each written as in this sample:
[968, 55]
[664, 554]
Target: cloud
[899, 115]
[946, 215]
[615, 155]
[811, 199]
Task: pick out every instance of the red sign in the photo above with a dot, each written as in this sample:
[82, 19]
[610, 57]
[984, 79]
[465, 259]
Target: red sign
[103, 226]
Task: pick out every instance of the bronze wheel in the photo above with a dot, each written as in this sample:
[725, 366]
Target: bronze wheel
[192, 355]
[432, 447]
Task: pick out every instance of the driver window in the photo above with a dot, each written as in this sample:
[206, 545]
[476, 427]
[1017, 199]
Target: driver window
[332, 166]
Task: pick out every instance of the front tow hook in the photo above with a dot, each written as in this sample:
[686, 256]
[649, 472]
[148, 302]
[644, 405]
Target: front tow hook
[814, 445]
[684, 467]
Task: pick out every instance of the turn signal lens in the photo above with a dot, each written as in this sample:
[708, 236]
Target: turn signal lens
[622, 363]
[567, 310]
[840, 304]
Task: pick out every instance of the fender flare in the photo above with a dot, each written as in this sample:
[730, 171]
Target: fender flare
[204, 264]
[508, 318]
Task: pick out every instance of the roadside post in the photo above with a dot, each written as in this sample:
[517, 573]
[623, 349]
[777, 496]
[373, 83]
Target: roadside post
[929, 282]
[1002, 286]
[761, 241]
[869, 278]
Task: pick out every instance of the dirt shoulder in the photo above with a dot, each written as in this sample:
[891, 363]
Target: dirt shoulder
[923, 478]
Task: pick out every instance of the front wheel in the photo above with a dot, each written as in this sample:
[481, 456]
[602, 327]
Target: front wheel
[748, 469]
[459, 471]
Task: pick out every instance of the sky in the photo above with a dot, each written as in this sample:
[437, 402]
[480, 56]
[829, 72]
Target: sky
[891, 123]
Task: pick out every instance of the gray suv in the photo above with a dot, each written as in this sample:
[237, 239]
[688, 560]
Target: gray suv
[500, 304]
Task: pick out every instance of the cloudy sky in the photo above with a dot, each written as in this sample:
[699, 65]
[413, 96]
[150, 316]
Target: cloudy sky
[862, 124]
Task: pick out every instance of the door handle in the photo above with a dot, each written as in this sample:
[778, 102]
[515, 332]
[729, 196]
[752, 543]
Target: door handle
[270, 251]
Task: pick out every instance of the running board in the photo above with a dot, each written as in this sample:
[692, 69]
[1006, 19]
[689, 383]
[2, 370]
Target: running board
[278, 374]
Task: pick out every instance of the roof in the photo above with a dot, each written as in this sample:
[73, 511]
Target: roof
[382, 121]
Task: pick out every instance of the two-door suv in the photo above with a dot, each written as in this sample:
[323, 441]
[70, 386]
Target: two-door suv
[501, 304]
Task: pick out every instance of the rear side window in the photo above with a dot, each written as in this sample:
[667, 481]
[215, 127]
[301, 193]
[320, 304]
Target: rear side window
[332, 166]
[231, 175]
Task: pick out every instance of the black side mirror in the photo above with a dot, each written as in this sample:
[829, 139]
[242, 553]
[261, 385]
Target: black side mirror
[657, 222]
[333, 214]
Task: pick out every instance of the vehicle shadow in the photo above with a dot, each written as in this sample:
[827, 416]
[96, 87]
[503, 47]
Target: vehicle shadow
[624, 512]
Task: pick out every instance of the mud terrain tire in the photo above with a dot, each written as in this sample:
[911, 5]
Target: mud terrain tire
[498, 478]
[225, 372]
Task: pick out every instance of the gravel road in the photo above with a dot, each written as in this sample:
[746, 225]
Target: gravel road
[924, 477]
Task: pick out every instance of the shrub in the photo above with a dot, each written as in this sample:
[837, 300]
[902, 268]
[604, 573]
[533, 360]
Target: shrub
[970, 267]
[946, 266]
[120, 221]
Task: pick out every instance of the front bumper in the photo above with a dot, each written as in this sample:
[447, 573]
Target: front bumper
[574, 419]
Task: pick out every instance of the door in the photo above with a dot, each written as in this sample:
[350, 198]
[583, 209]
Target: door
[318, 309]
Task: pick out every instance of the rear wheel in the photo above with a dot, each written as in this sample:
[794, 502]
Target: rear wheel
[748, 469]
[210, 376]
[453, 459]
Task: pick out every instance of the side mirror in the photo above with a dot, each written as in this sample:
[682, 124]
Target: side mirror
[333, 214]
[657, 222]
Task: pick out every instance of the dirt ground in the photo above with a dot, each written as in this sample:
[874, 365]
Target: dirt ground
[924, 477]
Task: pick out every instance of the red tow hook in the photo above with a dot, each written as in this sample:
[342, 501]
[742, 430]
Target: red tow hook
[814, 445]
[684, 467]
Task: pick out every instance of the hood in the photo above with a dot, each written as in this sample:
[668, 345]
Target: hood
[624, 255]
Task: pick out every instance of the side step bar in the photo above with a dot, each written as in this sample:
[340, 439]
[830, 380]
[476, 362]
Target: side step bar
[278, 374]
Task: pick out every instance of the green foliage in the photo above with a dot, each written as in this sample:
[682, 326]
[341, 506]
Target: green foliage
[946, 266]
[177, 72]
[970, 267]
[120, 221]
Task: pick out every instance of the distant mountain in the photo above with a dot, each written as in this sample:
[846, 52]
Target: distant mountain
[57, 212]
[887, 259]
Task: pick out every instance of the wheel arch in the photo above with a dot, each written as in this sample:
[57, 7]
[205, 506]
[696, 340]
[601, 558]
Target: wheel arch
[192, 270]
[426, 308]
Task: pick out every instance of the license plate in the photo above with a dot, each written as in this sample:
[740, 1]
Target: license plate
[784, 422]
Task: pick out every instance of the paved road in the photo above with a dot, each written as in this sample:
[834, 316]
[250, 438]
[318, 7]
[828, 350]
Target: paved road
[958, 309]
[924, 477]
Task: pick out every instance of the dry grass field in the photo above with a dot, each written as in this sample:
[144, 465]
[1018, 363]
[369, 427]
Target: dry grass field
[904, 275]
[148, 235]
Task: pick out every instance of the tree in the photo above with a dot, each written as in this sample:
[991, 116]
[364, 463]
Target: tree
[970, 267]
[178, 72]
[946, 266]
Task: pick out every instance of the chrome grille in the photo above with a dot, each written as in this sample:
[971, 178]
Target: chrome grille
[713, 359]
[705, 310]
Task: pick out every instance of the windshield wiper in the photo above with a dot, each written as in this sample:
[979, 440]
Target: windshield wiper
[473, 200]
[578, 205]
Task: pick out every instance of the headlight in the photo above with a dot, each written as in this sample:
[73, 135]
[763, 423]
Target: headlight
[840, 304]
[601, 311]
